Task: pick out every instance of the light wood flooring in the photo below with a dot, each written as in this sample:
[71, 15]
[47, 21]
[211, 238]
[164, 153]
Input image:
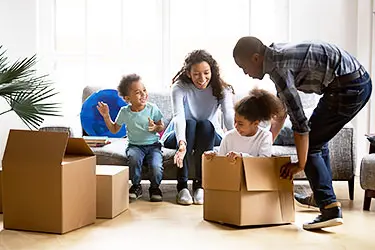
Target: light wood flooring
[166, 225]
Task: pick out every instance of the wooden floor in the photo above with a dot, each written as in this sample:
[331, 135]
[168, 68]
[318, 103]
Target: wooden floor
[169, 226]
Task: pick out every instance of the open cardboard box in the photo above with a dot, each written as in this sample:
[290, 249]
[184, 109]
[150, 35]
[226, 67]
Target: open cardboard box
[247, 192]
[49, 182]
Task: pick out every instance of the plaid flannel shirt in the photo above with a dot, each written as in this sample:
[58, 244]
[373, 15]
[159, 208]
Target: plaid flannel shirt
[308, 67]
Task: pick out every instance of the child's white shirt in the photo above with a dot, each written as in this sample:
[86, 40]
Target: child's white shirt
[259, 144]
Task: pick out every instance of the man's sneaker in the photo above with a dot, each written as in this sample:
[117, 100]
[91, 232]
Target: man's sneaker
[306, 201]
[155, 194]
[198, 196]
[331, 216]
[135, 192]
[184, 197]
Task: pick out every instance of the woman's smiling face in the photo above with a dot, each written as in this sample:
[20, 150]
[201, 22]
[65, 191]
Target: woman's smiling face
[200, 74]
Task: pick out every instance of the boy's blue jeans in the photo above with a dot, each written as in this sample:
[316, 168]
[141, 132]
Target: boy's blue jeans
[152, 156]
[200, 136]
[336, 108]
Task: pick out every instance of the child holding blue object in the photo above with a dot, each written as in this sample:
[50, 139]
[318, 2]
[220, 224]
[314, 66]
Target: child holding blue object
[143, 123]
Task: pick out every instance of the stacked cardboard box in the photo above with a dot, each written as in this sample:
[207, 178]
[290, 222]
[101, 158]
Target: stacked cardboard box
[112, 190]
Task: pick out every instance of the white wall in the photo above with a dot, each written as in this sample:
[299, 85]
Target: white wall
[19, 37]
[332, 21]
[365, 32]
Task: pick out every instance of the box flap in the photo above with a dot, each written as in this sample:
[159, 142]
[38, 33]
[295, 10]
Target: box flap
[263, 174]
[25, 148]
[78, 146]
[220, 174]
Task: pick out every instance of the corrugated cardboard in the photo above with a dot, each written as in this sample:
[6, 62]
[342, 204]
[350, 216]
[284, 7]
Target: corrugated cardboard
[247, 192]
[112, 190]
[49, 182]
[1, 190]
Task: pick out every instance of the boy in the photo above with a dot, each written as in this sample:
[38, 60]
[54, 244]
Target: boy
[143, 123]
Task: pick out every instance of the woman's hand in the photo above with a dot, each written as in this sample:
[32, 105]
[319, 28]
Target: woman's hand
[180, 154]
[232, 156]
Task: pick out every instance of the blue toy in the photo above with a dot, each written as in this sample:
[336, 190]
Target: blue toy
[92, 122]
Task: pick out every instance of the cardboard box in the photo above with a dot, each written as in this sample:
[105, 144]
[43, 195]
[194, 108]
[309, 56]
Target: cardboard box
[112, 190]
[1, 190]
[247, 192]
[49, 182]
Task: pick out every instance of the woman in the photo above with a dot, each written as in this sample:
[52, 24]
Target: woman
[197, 93]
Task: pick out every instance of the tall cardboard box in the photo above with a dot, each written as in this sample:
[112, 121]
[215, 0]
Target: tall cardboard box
[112, 190]
[49, 182]
[1, 190]
[247, 192]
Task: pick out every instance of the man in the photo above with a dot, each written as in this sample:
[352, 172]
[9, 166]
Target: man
[319, 68]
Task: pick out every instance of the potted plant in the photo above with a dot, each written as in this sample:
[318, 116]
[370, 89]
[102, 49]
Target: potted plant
[28, 95]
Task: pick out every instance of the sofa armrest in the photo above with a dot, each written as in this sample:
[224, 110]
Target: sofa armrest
[343, 153]
[71, 124]
[69, 130]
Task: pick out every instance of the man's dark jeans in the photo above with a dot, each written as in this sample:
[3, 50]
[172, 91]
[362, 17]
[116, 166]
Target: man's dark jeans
[336, 108]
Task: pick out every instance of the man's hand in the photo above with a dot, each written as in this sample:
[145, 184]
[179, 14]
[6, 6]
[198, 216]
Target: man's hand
[210, 155]
[151, 125]
[103, 109]
[233, 156]
[288, 170]
[180, 154]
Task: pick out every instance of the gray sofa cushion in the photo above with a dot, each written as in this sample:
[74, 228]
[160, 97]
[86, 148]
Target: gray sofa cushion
[114, 153]
[341, 151]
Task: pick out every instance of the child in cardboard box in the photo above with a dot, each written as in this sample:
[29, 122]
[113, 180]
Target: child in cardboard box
[248, 138]
[143, 123]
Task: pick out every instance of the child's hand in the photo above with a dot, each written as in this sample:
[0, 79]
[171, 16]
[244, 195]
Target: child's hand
[151, 125]
[209, 155]
[233, 156]
[103, 109]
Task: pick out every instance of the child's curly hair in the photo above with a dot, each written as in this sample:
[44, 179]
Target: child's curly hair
[126, 82]
[260, 105]
[198, 56]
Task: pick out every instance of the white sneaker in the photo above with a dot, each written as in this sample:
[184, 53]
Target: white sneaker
[198, 196]
[184, 197]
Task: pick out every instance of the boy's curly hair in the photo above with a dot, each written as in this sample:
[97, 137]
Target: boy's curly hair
[196, 57]
[126, 82]
[260, 105]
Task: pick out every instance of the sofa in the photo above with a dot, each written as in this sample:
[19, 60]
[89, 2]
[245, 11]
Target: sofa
[342, 147]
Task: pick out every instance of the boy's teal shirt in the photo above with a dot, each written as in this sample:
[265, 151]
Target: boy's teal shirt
[137, 124]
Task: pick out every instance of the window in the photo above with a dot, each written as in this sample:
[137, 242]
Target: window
[95, 42]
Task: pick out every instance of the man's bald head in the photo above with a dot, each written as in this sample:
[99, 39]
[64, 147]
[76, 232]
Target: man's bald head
[248, 46]
[249, 56]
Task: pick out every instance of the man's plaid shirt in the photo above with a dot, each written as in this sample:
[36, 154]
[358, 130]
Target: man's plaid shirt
[308, 67]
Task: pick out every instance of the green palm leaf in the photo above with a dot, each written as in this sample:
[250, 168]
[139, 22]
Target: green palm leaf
[27, 95]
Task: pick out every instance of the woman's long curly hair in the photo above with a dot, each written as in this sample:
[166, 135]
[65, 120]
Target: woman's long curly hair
[198, 56]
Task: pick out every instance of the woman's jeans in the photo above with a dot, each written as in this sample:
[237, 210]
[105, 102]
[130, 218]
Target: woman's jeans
[152, 156]
[336, 108]
[200, 137]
